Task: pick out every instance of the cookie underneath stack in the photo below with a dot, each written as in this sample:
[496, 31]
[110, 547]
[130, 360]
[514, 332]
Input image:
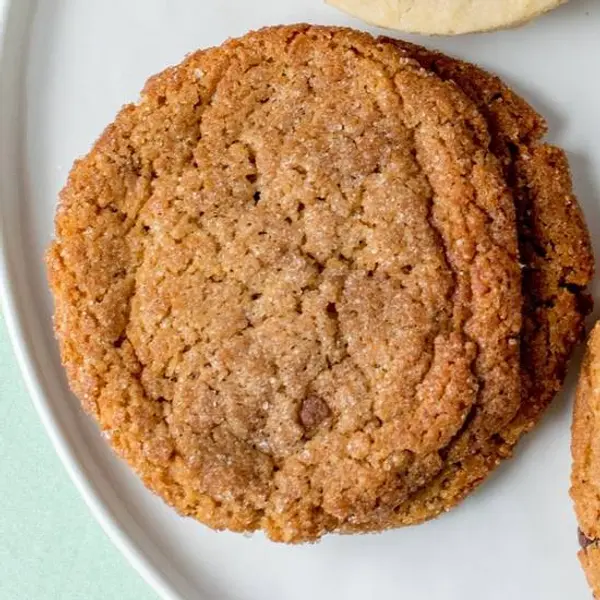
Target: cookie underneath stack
[319, 282]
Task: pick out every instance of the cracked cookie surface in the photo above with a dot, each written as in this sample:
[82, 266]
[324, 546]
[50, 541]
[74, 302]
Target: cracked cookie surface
[555, 250]
[287, 285]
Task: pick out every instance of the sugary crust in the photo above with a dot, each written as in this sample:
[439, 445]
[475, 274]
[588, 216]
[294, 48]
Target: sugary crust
[558, 261]
[554, 243]
[286, 284]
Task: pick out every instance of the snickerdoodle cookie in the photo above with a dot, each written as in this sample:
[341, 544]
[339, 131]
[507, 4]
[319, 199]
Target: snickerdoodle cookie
[287, 284]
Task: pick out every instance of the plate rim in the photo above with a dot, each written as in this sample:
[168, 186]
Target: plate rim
[10, 10]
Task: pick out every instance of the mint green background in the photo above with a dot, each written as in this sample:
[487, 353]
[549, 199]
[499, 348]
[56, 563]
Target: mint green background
[51, 548]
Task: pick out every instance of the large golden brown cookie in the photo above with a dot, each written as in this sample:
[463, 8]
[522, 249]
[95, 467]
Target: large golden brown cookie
[585, 478]
[287, 286]
[555, 250]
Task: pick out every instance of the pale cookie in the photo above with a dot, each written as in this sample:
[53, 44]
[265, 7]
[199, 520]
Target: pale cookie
[446, 17]
[287, 284]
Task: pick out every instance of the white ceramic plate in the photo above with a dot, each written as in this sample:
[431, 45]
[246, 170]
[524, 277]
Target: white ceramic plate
[66, 67]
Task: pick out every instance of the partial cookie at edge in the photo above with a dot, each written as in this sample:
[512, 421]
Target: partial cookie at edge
[585, 447]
